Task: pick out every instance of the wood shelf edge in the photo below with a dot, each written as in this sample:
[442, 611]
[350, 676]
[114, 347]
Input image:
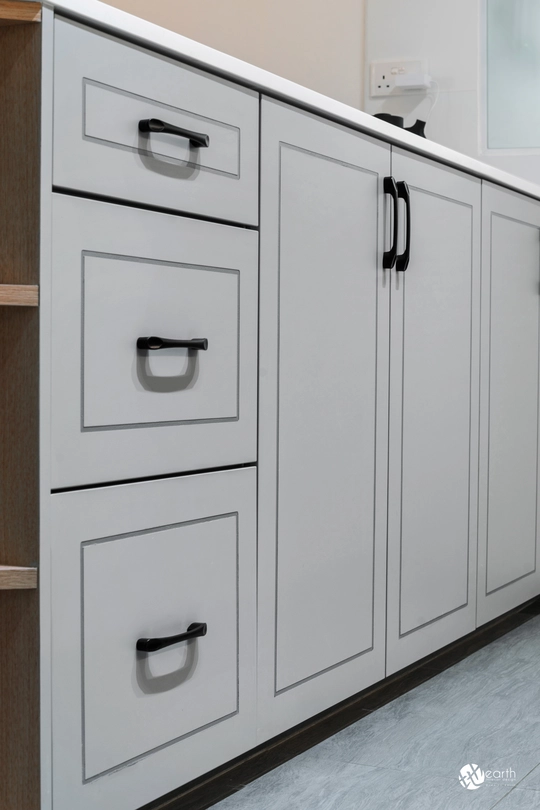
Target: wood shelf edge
[19, 295]
[13, 577]
[13, 12]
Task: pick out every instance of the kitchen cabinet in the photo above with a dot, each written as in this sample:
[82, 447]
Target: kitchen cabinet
[323, 404]
[434, 390]
[341, 446]
[508, 526]
[106, 260]
[429, 344]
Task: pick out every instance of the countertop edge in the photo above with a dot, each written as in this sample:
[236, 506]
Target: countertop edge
[142, 32]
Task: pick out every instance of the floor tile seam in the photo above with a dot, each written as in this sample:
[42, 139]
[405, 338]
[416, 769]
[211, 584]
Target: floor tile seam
[429, 721]
[412, 770]
[525, 777]
[502, 799]
[304, 776]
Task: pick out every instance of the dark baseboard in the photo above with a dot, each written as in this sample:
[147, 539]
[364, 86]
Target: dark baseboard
[222, 782]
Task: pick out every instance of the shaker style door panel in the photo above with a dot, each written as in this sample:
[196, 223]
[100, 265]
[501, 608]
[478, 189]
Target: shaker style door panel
[153, 651]
[124, 408]
[508, 572]
[322, 437]
[176, 577]
[434, 389]
[198, 154]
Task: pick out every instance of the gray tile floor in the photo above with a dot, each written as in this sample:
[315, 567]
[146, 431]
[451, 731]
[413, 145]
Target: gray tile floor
[408, 754]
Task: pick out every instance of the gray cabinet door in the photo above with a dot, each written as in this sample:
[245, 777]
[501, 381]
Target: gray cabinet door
[508, 526]
[433, 445]
[323, 416]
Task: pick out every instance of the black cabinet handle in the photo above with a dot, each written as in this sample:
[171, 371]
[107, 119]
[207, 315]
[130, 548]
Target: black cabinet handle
[389, 256]
[154, 343]
[155, 125]
[402, 261]
[152, 644]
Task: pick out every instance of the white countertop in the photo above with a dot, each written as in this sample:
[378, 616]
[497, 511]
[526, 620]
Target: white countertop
[167, 42]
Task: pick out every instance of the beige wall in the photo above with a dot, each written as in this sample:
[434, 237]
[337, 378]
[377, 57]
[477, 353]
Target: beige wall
[317, 43]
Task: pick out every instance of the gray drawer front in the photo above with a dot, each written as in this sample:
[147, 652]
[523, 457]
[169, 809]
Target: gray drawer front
[105, 87]
[179, 575]
[120, 411]
[145, 561]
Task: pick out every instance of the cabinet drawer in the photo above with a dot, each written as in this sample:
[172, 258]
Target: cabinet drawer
[174, 578]
[147, 561]
[121, 411]
[105, 87]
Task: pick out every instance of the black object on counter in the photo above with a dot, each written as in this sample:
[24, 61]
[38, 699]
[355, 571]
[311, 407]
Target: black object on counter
[418, 128]
[396, 120]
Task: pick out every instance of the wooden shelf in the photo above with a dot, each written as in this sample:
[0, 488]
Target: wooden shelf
[19, 295]
[14, 578]
[13, 12]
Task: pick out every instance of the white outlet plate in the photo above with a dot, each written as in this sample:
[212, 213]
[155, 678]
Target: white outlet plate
[383, 76]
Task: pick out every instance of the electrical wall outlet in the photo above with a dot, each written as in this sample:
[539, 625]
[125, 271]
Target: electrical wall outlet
[383, 76]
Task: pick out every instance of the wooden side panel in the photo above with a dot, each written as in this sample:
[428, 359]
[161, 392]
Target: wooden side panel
[19, 700]
[18, 436]
[19, 376]
[19, 153]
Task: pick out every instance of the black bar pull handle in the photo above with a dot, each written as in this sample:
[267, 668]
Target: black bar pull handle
[402, 261]
[155, 125]
[389, 256]
[152, 644]
[154, 343]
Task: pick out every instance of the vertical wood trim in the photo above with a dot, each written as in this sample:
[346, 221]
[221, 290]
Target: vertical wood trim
[20, 68]
[19, 709]
[19, 153]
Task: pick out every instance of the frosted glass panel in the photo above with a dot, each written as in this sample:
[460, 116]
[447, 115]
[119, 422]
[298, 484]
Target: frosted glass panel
[513, 74]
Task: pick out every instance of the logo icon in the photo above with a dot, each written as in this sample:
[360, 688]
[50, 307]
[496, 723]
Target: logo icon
[471, 777]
